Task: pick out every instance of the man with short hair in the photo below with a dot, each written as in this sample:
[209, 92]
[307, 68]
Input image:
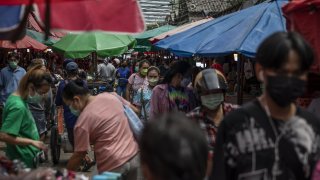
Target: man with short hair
[106, 71]
[10, 77]
[271, 138]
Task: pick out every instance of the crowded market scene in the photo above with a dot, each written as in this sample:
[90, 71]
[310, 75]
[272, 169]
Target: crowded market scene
[160, 89]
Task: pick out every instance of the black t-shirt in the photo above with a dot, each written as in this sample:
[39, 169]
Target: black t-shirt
[246, 144]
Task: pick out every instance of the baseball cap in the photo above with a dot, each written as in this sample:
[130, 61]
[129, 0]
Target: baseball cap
[72, 66]
[67, 61]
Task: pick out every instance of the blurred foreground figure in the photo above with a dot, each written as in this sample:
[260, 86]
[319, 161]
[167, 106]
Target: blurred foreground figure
[272, 138]
[172, 147]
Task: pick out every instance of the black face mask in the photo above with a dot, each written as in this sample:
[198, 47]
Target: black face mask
[284, 90]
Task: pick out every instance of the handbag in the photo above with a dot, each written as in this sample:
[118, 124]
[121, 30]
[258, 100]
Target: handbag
[135, 123]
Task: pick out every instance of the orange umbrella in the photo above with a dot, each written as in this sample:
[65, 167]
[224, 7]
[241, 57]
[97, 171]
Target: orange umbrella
[25, 43]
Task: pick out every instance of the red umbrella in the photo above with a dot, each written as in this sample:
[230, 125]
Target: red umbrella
[20, 2]
[303, 16]
[106, 15]
[25, 43]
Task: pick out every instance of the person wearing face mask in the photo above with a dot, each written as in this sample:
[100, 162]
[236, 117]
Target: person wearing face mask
[137, 80]
[19, 130]
[172, 94]
[210, 87]
[103, 124]
[142, 100]
[41, 107]
[271, 137]
[122, 74]
[10, 77]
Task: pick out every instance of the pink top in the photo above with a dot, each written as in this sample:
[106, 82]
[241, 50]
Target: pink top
[103, 124]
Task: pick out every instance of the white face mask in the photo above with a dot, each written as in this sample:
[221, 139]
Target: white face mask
[212, 101]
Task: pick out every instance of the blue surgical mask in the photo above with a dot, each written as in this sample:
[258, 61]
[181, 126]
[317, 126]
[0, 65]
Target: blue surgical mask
[35, 99]
[74, 111]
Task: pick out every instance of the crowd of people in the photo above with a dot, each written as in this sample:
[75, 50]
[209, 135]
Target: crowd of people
[190, 132]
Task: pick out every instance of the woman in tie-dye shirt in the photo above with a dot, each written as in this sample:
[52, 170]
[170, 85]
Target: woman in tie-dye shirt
[173, 94]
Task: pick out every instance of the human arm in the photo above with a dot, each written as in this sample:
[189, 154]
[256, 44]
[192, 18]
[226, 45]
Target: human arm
[59, 100]
[7, 138]
[154, 102]
[75, 160]
[48, 104]
[81, 147]
[129, 87]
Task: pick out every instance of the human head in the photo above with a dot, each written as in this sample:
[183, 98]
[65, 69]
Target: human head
[82, 74]
[283, 60]
[38, 61]
[210, 86]
[179, 72]
[75, 95]
[72, 69]
[173, 147]
[153, 76]
[124, 63]
[143, 67]
[116, 62]
[35, 81]
[13, 60]
[66, 61]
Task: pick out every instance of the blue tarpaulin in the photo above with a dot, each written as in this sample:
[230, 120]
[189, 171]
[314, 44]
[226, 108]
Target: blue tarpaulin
[240, 32]
[10, 17]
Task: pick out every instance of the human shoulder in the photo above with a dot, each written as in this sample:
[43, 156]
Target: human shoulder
[239, 115]
[21, 69]
[309, 117]
[15, 103]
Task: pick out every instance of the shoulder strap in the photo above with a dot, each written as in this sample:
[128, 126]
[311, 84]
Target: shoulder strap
[143, 103]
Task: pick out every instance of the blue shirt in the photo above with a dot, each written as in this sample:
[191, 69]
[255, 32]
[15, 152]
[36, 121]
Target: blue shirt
[69, 119]
[9, 81]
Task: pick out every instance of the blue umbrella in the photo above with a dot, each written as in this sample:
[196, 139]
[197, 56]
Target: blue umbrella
[240, 32]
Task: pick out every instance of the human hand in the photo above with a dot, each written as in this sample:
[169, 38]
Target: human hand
[40, 145]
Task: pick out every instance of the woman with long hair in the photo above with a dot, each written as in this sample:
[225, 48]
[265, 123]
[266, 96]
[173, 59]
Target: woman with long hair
[19, 129]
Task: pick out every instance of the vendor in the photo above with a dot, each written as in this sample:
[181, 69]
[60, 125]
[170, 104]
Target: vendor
[19, 130]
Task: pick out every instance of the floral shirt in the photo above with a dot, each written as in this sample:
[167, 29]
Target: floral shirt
[142, 99]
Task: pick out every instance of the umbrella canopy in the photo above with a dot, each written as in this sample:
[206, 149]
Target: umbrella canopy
[25, 43]
[41, 37]
[105, 15]
[303, 16]
[26, 2]
[143, 43]
[73, 15]
[240, 32]
[104, 44]
[178, 30]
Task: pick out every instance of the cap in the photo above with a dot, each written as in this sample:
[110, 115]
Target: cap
[67, 61]
[72, 66]
[117, 61]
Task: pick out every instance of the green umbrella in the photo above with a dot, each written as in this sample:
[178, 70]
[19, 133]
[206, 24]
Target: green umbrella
[40, 37]
[143, 43]
[104, 44]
